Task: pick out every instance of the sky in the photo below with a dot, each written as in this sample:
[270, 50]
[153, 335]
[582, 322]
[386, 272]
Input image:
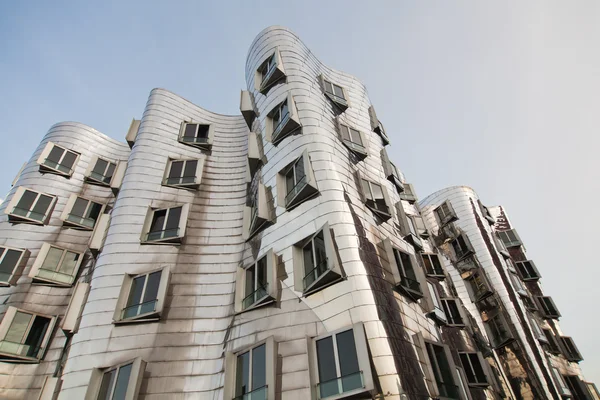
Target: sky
[500, 96]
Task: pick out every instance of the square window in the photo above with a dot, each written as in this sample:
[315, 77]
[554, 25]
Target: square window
[57, 160]
[250, 372]
[100, 171]
[81, 213]
[269, 73]
[184, 173]
[142, 296]
[510, 238]
[165, 225]
[282, 120]
[409, 193]
[353, 139]
[24, 335]
[335, 93]
[528, 270]
[445, 213]
[197, 134]
[376, 198]
[118, 382]
[12, 261]
[296, 182]
[474, 367]
[30, 206]
[256, 284]
[56, 266]
[433, 265]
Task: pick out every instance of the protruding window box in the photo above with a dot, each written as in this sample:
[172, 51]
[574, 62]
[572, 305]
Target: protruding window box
[296, 182]
[467, 264]
[528, 270]
[501, 247]
[375, 197]
[462, 247]
[196, 134]
[99, 234]
[55, 266]
[282, 121]
[29, 206]
[122, 381]
[518, 285]
[117, 179]
[563, 389]
[316, 263]
[407, 276]
[486, 213]
[433, 305]
[260, 214]
[256, 284]
[510, 238]
[81, 213]
[247, 107]
[571, 352]
[477, 284]
[270, 72]
[256, 152]
[433, 266]
[250, 373]
[408, 227]
[132, 132]
[445, 213]
[142, 296]
[186, 174]
[58, 160]
[50, 388]
[454, 313]
[391, 172]
[547, 307]
[70, 323]
[100, 171]
[498, 330]
[24, 335]
[165, 225]
[337, 94]
[377, 126]
[476, 369]
[409, 193]
[12, 262]
[353, 139]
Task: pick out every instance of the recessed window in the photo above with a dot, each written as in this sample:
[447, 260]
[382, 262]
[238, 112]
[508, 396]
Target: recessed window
[434, 305]
[409, 193]
[165, 225]
[316, 264]
[24, 335]
[58, 160]
[392, 173]
[256, 284]
[353, 139]
[341, 364]
[376, 198]
[100, 171]
[518, 285]
[142, 296]
[486, 213]
[577, 387]
[250, 373]
[336, 93]
[551, 342]
[377, 126]
[571, 351]
[259, 214]
[196, 134]
[462, 247]
[438, 367]
[56, 265]
[478, 286]
[12, 261]
[183, 173]
[560, 383]
[30, 206]
[498, 331]
[269, 73]
[282, 120]
[510, 238]
[407, 276]
[445, 213]
[433, 266]
[547, 307]
[81, 213]
[453, 312]
[297, 181]
[527, 270]
[500, 246]
[474, 366]
[118, 382]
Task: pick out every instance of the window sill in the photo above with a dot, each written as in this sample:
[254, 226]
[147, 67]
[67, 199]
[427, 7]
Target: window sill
[17, 219]
[200, 145]
[259, 304]
[341, 103]
[93, 181]
[17, 359]
[48, 170]
[359, 151]
[384, 216]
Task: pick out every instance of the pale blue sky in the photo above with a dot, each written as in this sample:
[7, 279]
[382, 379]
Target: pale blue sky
[501, 96]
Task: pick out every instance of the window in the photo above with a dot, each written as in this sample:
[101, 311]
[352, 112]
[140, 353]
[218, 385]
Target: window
[537, 330]
[296, 182]
[12, 261]
[100, 171]
[510, 238]
[316, 263]
[571, 351]
[474, 366]
[527, 270]
[577, 387]
[30, 206]
[529, 303]
[591, 387]
[353, 139]
[58, 160]
[407, 277]
[142, 296]
[184, 173]
[250, 373]
[56, 265]
[269, 73]
[259, 214]
[468, 263]
[453, 312]
[498, 331]
[132, 133]
[438, 367]
[563, 389]
[82, 213]
[98, 236]
[336, 93]
[408, 227]
[478, 286]
[518, 285]
[70, 322]
[551, 342]
[120, 382]
[165, 225]
[462, 246]
[376, 198]
[433, 305]
[256, 152]
[433, 266]
[197, 135]
[547, 307]
[24, 335]
[377, 126]
[445, 213]
[500, 246]
[486, 213]
[409, 193]
[282, 121]
[341, 363]
[256, 284]
[391, 172]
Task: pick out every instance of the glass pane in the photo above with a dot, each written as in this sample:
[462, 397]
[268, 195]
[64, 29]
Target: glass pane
[347, 354]
[94, 211]
[261, 272]
[9, 262]
[158, 220]
[259, 368]
[328, 88]
[203, 131]
[55, 154]
[377, 193]
[26, 201]
[68, 160]
[36, 335]
[109, 172]
[250, 281]
[464, 359]
[52, 259]
[356, 136]
[242, 371]
[69, 263]
[135, 294]
[106, 386]
[18, 327]
[307, 252]
[289, 180]
[176, 168]
[320, 253]
[299, 167]
[190, 168]
[79, 207]
[477, 368]
[284, 110]
[100, 167]
[408, 268]
[345, 132]
[173, 220]
[41, 206]
[151, 292]
[338, 91]
[367, 190]
[328, 384]
[122, 382]
[190, 130]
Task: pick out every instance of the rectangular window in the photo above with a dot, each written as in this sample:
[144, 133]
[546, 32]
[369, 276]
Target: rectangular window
[571, 351]
[436, 311]
[478, 285]
[11, 262]
[28, 205]
[375, 198]
[537, 330]
[269, 73]
[335, 93]
[353, 140]
[413, 237]
[473, 364]
[81, 212]
[408, 278]
[251, 379]
[165, 225]
[486, 213]
[548, 308]
[299, 181]
[57, 159]
[462, 247]
[452, 311]
[409, 193]
[443, 375]
[183, 173]
[121, 382]
[282, 120]
[142, 296]
[196, 134]
[280, 115]
[500, 246]
[256, 284]
[433, 266]
[101, 172]
[577, 387]
[552, 343]
[24, 335]
[560, 383]
[445, 213]
[498, 330]
[314, 256]
[259, 211]
[527, 270]
[510, 238]
[377, 126]
[518, 285]
[56, 265]
[529, 303]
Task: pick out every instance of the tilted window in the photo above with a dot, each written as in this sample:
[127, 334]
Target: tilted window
[528, 270]
[475, 369]
[98, 236]
[335, 93]
[120, 382]
[256, 152]
[547, 307]
[433, 265]
[376, 198]
[81, 213]
[24, 335]
[408, 277]
[409, 193]
[165, 225]
[591, 387]
[391, 172]
[30, 206]
[296, 182]
[478, 286]
[250, 373]
[501, 246]
[486, 213]
[184, 173]
[510, 238]
[551, 342]
[100, 171]
[341, 363]
[563, 389]
[56, 265]
[269, 73]
[498, 330]
[197, 134]
[433, 305]
[518, 285]
[408, 226]
[142, 296]
[256, 284]
[462, 247]
[58, 160]
[454, 314]
[571, 351]
[316, 263]
[259, 214]
[12, 262]
[445, 213]
[577, 387]
[282, 120]
[529, 303]
[377, 126]
[353, 139]
[537, 330]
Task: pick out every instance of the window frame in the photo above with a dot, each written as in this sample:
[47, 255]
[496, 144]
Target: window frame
[201, 145]
[495, 341]
[125, 291]
[445, 214]
[138, 367]
[16, 198]
[500, 247]
[508, 243]
[41, 258]
[486, 213]
[398, 272]
[407, 227]
[476, 280]
[370, 202]
[545, 310]
[275, 74]
[178, 239]
[450, 317]
[286, 127]
[518, 285]
[538, 331]
[377, 126]
[552, 345]
[468, 247]
[303, 190]
[68, 209]
[360, 150]
[341, 103]
[409, 193]
[571, 352]
[44, 168]
[433, 273]
[5, 325]
[560, 383]
[482, 365]
[187, 185]
[257, 221]
[17, 269]
[527, 274]
[433, 304]
[271, 291]
[88, 175]
[391, 172]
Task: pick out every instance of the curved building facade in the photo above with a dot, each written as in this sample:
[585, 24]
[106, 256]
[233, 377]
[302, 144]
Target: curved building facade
[274, 254]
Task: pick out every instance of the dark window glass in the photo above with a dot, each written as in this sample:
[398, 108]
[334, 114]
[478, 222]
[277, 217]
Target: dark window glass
[107, 383]
[242, 381]
[176, 168]
[55, 154]
[79, 207]
[326, 360]
[94, 211]
[261, 272]
[26, 201]
[151, 292]
[158, 220]
[110, 171]
[203, 131]
[190, 130]
[173, 220]
[347, 353]
[328, 88]
[9, 262]
[122, 382]
[137, 287]
[307, 252]
[36, 335]
[42, 205]
[250, 280]
[69, 160]
[190, 168]
[100, 167]
[338, 91]
[289, 180]
[259, 373]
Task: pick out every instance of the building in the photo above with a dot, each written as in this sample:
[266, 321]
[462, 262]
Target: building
[275, 254]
